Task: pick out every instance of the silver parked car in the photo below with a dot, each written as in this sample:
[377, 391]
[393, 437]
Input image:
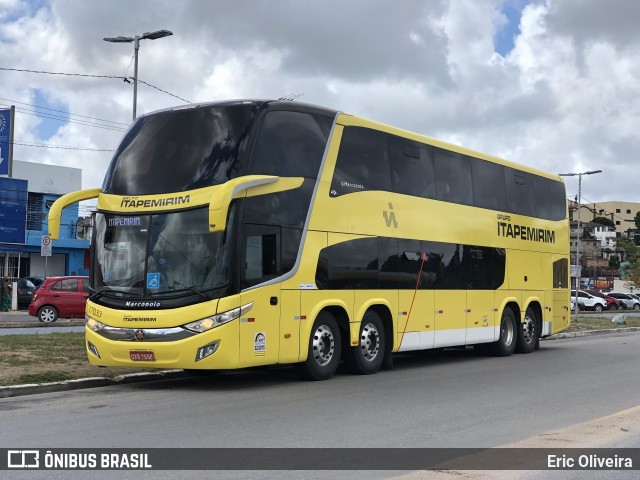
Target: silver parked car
[626, 300]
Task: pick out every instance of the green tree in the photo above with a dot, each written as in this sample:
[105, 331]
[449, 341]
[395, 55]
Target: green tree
[614, 261]
[607, 222]
[637, 221]
[632, 270]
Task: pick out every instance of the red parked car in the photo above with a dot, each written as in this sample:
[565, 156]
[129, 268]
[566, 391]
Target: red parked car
[64, 297]
[612, 303]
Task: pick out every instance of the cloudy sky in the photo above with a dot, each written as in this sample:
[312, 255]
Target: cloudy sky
[554, 84]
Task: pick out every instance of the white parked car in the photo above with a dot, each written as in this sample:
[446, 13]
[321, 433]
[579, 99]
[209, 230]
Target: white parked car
[626, 300]
[586, 301]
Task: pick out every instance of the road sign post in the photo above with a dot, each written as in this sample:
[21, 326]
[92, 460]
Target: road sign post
[45, 251]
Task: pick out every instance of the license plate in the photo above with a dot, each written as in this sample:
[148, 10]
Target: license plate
[142, 355]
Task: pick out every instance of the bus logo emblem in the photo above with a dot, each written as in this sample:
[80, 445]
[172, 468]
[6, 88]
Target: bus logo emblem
[139, 335]
[390, 217]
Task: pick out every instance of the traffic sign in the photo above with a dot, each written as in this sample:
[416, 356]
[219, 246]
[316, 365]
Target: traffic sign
[45, 246]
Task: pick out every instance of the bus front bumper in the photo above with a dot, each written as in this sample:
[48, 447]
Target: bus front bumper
[211, 350]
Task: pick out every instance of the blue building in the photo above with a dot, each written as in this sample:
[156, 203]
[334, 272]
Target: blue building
[25, 200]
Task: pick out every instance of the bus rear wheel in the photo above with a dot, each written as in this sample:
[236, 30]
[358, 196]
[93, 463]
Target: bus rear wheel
[325, 347]
[506, 343]
[528, 332]
[367, 357]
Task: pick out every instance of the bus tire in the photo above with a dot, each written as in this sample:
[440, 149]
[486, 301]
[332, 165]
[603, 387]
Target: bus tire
[528, 332]
[506, 343]
[325, 347]
[368, 356]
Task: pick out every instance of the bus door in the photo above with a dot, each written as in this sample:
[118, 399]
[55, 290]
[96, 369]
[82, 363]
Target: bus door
[259, 328]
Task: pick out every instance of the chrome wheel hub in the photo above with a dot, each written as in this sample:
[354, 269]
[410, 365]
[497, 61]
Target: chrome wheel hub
[370, 342]
[323, 345]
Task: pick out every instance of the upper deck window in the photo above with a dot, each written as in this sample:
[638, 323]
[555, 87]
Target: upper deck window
[181, 150]
[291, 144]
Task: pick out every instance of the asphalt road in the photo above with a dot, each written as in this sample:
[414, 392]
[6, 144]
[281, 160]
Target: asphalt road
[451, 399]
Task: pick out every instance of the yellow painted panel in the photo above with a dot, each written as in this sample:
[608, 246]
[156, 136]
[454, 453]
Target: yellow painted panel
[260, 327]
[524, 270]
[289, 327]
[416, 318]
[480, 309]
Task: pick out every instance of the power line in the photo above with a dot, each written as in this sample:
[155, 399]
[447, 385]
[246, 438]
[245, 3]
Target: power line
[62, 147]
[164, 91]
[60, 73]
[62, 111]
[90, 76]
[67, 120]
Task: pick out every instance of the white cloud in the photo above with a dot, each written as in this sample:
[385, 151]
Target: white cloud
[566, 98]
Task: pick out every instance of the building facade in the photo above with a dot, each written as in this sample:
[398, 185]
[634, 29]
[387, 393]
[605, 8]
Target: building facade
[25, 200]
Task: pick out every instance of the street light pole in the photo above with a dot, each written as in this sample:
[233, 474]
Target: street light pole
[136, 46]
[579, 175]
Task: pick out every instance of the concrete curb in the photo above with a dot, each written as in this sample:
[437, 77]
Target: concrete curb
[32, 389]
[589, 333]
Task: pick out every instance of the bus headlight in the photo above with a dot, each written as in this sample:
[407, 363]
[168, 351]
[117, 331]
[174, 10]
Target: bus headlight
[208, 323]
[93, 324]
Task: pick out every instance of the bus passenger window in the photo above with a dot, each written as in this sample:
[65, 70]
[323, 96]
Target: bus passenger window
[291, 144]
[488, 185]
[520, 198]
[411, 168]
[363, 162]
[453, 177]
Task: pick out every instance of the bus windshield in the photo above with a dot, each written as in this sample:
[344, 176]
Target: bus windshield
[159, 254]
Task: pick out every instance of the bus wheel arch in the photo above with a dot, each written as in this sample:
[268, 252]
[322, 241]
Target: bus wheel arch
[529, 329]
[507, 339]
[372, 349]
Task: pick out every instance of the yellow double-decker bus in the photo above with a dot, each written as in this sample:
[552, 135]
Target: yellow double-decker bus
[245, 233]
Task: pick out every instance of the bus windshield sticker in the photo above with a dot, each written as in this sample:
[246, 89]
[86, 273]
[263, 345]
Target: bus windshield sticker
[153, 280]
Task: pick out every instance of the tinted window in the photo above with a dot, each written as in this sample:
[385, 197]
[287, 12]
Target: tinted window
[550, 198]
[477, 268]
[488, 185]
[349, 265]
[180, 150]
[85, 285]
[291, 238]
[57, 286]
[363, 162]
[291, 144]
[388, 276]
[411, 168]
[352, 265]
[561, 273]
[520, 198]
[261, 255]
[283, 208]
[453, 177]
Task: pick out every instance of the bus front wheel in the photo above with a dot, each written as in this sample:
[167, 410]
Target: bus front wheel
[506, 343]
[324, 349]
[367, 357]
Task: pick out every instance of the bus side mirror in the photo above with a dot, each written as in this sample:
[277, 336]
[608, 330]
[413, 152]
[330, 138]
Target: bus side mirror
[247, 186]
[55, 213]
